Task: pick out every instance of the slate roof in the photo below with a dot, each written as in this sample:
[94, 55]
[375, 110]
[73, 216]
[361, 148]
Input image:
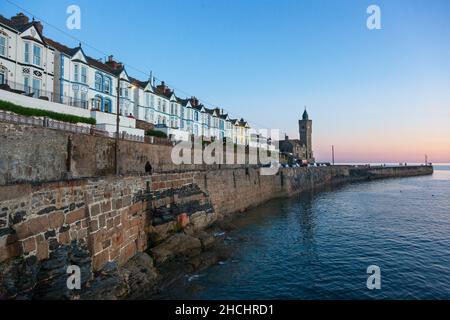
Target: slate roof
[62, 48]
[23, 27]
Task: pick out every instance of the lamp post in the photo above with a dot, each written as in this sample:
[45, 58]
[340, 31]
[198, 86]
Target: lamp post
[332, 154]
[116, 150]
[116, 153]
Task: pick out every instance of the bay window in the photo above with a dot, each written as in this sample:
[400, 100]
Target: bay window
[36, 87]
[27, 52]
[3, 45]
[37, 55]
[83, 74]
[26, 84]
[83, 99]
[76, 73]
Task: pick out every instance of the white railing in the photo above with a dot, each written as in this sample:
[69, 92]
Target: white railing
[7, 116]
[16, 118]
[43, 122]
[58, 125]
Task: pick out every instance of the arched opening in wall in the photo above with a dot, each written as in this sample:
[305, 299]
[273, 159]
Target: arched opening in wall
[148, 168]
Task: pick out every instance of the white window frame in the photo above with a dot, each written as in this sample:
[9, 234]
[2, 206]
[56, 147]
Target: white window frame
[26, 51]
[107, 85]
[26, 84]
[5, 45]
[5, 75]
[98, 76]
[76, 73]
[39, 56]
[36, 80]
[83, 78]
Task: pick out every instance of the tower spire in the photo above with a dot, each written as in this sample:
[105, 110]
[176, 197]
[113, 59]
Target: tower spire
[305, 115]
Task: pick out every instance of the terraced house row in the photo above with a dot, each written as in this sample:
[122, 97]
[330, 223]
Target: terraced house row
[39, 72]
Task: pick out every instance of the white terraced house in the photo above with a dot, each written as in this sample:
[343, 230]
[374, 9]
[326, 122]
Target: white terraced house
[38, 72]
[26, 60]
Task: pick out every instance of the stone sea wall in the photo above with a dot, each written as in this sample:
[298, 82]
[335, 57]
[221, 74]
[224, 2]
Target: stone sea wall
[59, 206]
[36, 154]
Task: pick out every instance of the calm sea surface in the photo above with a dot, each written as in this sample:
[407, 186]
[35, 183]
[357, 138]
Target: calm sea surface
[319, 245]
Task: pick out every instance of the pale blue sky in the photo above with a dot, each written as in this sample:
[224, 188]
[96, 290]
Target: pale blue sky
[381, 95]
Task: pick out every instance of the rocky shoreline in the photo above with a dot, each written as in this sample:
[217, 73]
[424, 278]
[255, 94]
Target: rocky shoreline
[148, 274]
[133, 237]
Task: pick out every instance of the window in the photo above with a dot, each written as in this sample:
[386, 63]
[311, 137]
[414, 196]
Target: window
[75, 73]
[36, 87]
[27, 52]
[3, 46]
[83, 74]
[147, 100]
[107, 86]
[83, 99]
[97, 103]
[26, 84]
[37, 55]
[2, 76]
[108, 105]
[98, 82]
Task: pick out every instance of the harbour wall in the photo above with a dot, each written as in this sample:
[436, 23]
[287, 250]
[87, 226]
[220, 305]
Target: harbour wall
[91, 219]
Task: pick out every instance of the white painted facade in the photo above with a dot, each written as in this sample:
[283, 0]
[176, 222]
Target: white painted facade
[26, 61]
[88, 87]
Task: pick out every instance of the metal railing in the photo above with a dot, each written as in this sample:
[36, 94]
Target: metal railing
[20, 88]
[29, 91]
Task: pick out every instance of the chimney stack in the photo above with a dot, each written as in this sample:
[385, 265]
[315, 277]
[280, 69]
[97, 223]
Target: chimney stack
[19, 19]
[194, 101]
[39, 26]
[113, 64]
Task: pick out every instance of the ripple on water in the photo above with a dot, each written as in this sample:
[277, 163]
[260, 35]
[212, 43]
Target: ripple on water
[318, 246]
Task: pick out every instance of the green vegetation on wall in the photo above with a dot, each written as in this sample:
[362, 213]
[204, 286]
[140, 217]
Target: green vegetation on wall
[8, 106]
[156, 133]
